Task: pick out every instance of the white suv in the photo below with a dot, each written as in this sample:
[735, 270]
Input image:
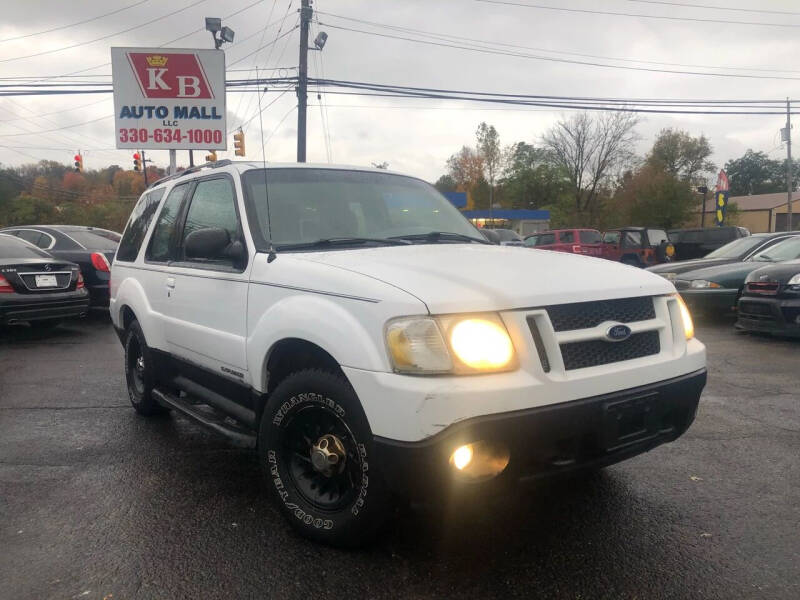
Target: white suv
[352, 326]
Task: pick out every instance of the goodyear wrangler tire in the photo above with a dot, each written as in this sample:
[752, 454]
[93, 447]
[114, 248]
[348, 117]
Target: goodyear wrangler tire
[315, 446]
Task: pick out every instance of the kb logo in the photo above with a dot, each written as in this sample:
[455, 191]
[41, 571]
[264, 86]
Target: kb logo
[170, 75]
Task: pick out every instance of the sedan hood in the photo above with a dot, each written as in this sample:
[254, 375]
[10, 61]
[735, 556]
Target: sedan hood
[452, 278]
[780, 272]
[731, 275]
[690, 265]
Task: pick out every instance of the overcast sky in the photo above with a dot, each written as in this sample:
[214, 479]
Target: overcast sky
[413, 135]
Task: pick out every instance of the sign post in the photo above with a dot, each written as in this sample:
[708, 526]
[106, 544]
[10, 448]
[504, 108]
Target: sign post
[169, 99]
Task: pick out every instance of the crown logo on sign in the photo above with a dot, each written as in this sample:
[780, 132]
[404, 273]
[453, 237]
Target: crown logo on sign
[156, 60]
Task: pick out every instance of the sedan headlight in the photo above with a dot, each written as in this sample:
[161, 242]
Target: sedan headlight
[795, 280]
[702, 284]
[450, 344]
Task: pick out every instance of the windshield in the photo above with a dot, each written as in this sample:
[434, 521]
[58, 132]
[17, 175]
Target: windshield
[611, 237]
[785, 250]
[736, 248]
[11, 247]
[306, 205]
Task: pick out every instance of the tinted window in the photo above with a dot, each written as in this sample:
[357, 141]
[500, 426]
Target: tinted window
[590, 237]
[737, 248]
[611, 237]
[656, 236]
[138, 224]
[213, 205]
[91, 240]
[161, 241]
[692, 237]
[29, 235]
[566, 237]
[11, 247]
[632, 239]
[718, 235]
[309, 204]
[546, 239]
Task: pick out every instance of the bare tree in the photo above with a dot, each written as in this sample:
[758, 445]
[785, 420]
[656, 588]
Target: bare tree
[592, 150]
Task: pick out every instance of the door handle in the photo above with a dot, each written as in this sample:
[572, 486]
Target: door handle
[171, 282]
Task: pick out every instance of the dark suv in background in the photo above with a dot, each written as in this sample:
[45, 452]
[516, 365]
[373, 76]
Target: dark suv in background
[696, 243]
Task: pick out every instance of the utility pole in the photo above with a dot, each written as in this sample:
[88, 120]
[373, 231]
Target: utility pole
[144, 169]
[703, 189]
[789, 165]
[302, 79]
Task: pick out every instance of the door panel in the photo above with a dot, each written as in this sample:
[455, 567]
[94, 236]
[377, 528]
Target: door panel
[206, 314]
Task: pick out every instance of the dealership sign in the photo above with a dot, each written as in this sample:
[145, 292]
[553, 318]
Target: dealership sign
[169, 99]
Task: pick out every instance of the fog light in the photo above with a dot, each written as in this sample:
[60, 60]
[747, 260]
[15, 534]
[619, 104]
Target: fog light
[480, 460]
[462, 457]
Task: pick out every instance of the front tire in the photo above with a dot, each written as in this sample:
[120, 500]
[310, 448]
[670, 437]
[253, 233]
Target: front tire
[140, 372]
[315, 446]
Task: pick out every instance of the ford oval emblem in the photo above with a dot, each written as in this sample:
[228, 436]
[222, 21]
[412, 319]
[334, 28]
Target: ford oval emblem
[618, 333]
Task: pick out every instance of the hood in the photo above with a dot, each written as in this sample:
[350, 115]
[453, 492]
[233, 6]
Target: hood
[779, 272]
[730, 275]
[690, 265]
[451, 278]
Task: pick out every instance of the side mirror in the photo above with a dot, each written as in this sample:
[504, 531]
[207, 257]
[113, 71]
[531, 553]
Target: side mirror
[237, 253]
[209, 243]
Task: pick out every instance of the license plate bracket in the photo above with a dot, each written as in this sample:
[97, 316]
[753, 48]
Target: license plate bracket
[630, 420]
[46, 281]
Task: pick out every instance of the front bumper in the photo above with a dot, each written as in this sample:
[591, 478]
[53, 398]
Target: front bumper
[769, 315]
[552, 439]
[717, 302]
[32, 307]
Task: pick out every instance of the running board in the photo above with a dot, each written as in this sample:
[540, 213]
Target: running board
[211, 418]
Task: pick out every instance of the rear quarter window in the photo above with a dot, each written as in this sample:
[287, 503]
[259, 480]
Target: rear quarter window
[590, 237]
[566, 237]
[138, 224]
[546, 239]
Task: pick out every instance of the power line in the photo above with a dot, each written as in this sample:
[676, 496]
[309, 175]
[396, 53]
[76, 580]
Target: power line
[710, 7]
[105, 37]
[59, 28]
[450, 37]
[485, 50]
[636, 15]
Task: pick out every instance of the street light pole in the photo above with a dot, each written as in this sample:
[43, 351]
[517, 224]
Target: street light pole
[302, 79]
[703, 189]
[788, 165]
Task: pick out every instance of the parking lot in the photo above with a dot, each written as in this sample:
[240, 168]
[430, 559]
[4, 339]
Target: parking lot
[97, 502]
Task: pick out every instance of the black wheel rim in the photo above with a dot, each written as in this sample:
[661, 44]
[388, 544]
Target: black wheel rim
[136, 365]
[326, 492]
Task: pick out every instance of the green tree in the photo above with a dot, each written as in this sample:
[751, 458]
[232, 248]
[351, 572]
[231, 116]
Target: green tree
[446, 183]
[653, 196]
[756, 173]
[531, 177]
[682, 156]
[491, 153]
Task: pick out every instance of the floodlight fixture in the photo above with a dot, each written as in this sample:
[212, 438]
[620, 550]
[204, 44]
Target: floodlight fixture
[213, 24]
[319, 41]
[227, 34]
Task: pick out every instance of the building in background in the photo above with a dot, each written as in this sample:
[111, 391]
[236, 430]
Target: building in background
[760, 213]
[524, 222]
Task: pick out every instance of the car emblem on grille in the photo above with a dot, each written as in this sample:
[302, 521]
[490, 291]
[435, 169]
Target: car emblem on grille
[47, 267]
[618, 333]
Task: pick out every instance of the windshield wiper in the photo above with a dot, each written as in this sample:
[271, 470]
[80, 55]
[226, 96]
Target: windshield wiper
[343, 241]
[764, 258]
[436, 236]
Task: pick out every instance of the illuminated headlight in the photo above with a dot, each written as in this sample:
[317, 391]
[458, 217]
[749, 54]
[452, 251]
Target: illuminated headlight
[702, 284]
[794, 281]
[450, 344]
[686, 317]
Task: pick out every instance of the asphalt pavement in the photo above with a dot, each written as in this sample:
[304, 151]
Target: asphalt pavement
[97, 502]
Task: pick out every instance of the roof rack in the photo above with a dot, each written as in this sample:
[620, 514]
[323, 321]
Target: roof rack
[190, 170]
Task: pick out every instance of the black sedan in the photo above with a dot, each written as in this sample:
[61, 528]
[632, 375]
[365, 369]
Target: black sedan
[770, 301]
[38, 288]
[91, 247]
[732, 252]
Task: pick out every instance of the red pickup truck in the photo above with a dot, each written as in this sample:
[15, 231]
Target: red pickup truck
[577, 241]
[638, 246]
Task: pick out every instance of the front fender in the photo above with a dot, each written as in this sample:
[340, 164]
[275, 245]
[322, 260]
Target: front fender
[130, 293]
[352, 340]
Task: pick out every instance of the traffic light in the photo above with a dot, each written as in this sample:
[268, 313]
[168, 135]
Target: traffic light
[238, 143]
[78, 163]
[212, 156]
[137, 162]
